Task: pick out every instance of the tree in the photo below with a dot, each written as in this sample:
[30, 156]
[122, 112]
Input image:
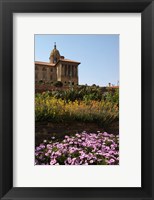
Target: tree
[58, 84]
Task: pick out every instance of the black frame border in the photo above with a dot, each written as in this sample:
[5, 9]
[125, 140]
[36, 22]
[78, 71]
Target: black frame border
[7, 8]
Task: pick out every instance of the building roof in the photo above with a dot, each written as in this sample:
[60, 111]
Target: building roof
[45, 63]
[54, 64]
[67, 60]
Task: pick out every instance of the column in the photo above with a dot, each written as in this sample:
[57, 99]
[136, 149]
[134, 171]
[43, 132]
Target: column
[77, 71]
[66, 70]
[63, 70]
[72, 70]
[69, 70]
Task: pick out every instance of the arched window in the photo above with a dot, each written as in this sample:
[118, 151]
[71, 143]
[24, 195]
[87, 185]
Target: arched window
[44, 75]
[55, 60]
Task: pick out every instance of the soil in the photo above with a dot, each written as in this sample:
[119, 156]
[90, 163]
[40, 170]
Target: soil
[47, 130]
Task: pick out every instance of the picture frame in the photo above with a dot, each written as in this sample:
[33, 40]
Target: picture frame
[7, 8]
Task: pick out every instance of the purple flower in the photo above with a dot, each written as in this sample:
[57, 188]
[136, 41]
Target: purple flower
[69, 160]
[111, 161]
[81, 149]
[38, 148]
[52, 162]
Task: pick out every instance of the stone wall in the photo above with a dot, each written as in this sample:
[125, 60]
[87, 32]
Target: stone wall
[46, 87]
[45, 73]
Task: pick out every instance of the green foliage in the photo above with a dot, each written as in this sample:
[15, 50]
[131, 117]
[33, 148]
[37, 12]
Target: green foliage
[84, 104]
[112, 96]
[57, 110]
[40, 82]
[85, 93]
[58, 84]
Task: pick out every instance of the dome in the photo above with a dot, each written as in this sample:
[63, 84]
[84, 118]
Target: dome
[54, 55]
[55, 52]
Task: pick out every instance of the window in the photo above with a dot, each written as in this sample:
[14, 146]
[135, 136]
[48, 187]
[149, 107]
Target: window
[51, 77]
[44, 75]
[36, 76]
[44, 69]
[65, 70]
[51, 70]
[55, 60]
[72, 71]
[69, 72]
[76, 72]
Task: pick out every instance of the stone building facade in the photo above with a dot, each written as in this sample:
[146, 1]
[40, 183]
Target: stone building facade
[57, 69]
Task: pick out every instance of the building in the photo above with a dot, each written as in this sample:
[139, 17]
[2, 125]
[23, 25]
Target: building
[57, 69]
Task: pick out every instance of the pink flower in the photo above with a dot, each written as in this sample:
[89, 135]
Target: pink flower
[81, 149]
[52, 162]
[69, 160]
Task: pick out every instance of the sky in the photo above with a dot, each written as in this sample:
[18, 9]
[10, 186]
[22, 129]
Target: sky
[98, 55]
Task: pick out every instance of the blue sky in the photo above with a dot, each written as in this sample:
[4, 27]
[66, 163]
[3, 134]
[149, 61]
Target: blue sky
[98, 54]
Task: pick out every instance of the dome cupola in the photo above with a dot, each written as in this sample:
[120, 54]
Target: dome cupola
[54, 55]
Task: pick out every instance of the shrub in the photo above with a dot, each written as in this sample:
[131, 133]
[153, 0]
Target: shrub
[58, 84]
[58, 110]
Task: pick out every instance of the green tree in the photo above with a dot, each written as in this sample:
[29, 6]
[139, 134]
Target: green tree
[58, 84]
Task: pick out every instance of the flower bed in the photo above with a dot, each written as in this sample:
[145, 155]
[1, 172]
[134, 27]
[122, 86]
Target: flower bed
[81, 149]
[58, 110]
